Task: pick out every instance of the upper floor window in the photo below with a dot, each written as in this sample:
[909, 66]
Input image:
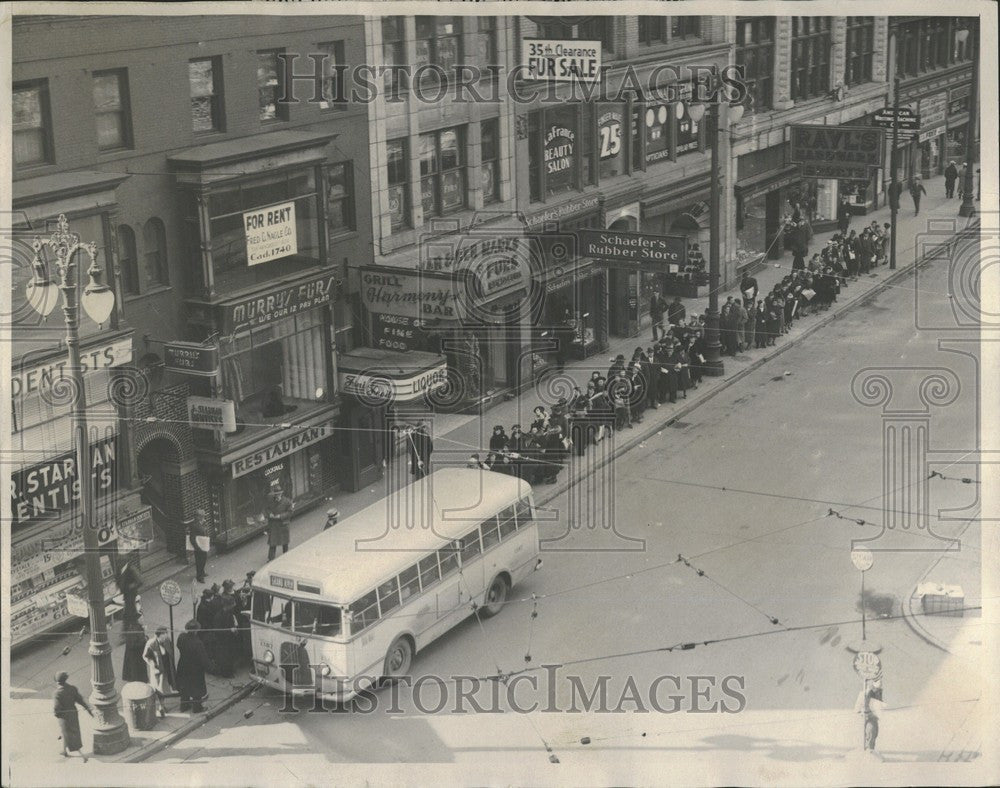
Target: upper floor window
[128, 261]
[269, 75]
[398, 168]
[111, 105]
[490, 145]
[598, 28]
[31, 124]
[340, 198]
[486, 40]
[439, 43]
[155, 247]
[333, 96]
[810, 62]
[561, 150]
[393, 53]
[860, 49]
[442, 172]
[685, 26]
[934, 42]
[755, 53]
[205, 83]
[652, 30]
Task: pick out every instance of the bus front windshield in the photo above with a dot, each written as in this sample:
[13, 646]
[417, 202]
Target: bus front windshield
[309, 618]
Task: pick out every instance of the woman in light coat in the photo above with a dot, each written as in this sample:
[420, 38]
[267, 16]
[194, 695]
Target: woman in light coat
[159, 657]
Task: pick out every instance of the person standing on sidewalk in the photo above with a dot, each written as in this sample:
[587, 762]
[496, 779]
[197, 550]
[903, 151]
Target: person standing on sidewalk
[916, 189]
[950, 176]
[657, 308]
[843, 215]
[192, 664]
[961, 180]
[200, 543]
[676, 313]
[895, 192]
[64, 703]
[159, 657]
[870, 704]
[279, 515]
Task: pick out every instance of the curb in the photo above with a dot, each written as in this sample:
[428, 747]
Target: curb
[910, 616]
[188, 727]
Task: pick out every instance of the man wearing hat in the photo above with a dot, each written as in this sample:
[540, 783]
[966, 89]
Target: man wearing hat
[279, 516]
[950, 176]
[64, 703]
[198, 538]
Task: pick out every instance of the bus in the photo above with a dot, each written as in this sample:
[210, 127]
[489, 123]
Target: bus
[353, 605]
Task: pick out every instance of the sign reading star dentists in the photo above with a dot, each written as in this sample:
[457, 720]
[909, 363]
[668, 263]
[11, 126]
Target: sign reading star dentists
[270, 233]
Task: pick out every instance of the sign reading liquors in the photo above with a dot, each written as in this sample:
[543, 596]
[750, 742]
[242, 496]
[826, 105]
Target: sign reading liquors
[551, 60]
[653, 252]
[211, 414]
[270, 233]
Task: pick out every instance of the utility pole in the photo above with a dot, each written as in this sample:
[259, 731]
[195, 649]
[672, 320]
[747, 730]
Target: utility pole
[894, 190]
[713, 357]
[968, 207]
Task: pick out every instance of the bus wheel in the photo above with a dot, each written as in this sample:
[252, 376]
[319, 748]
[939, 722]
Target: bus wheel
[496, 596]
[398, 658]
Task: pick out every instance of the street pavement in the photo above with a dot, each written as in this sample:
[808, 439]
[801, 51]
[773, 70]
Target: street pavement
[771, 431]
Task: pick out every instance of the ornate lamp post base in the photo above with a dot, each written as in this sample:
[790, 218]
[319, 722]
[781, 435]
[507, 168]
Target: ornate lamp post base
[113, 740]
[713, 369]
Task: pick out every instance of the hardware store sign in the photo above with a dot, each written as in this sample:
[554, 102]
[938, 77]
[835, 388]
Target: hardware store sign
[852, 146]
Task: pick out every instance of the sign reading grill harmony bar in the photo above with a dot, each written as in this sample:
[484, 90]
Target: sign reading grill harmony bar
[836, 151]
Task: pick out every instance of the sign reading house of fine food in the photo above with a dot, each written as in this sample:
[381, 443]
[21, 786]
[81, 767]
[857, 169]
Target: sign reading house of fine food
[561, 61]
[650, 252]
[270, 233]
[836, 151]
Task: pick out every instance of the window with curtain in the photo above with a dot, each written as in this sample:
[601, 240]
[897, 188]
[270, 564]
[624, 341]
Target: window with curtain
[393, 53]
[128, 261]
[810, 64]
[399, 184]
[31, 123]
[860, 49]
[489, 138]
[486, 40]
[442, 171]
[205, 81]
[155, 248]
[340, 197]
[755, 53]
[270, 72]
[439, 43]
[685, 26]
[652, 30]
[332, 98]
[111, 107]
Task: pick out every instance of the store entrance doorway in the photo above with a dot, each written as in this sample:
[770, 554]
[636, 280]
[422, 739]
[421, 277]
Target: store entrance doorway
[161, 489]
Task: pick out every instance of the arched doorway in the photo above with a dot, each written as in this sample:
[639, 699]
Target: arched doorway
[159, 479]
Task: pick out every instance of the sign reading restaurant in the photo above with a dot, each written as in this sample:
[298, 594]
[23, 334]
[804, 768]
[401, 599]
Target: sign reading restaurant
[277, 304]
[855, 147]
[270, 233]
[550, 60]
[284, 447]
[651, 252]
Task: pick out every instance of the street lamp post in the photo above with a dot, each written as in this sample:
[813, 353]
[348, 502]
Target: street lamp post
[968, 206]
[714, 366]
[111, 734]
[894, 189]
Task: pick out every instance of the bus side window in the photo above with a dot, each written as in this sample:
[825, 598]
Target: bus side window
[507, 522]
[449, 560]
[388, 596]
[429, 572]
[491, 536]
[409, 583]
[524, 513]
[364, 612]
[470, 546]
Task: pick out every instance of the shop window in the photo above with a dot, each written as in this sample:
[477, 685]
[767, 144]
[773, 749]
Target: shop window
[205, 81]
[340, 198]
[393, 54]
[688, 132]
[333, 93]
[486, 40]
[810, 57]
[276, 370]
[399, 184]
[269, 76]
[155, 248]
[489, 136]
[755, 53]
[442, 172]
[860, 49]
[31, 124]
[128, 261]
[228, 236]
[111, 105]
[657, 123]
[560, 157]
[439, 43]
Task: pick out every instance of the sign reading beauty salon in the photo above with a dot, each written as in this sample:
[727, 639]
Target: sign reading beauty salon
[270, 233]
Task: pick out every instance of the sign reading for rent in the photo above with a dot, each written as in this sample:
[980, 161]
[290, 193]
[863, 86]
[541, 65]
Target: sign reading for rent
[270, 233]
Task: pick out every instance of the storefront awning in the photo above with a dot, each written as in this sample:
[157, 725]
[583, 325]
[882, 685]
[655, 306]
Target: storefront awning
[767, 182]
[377, 376]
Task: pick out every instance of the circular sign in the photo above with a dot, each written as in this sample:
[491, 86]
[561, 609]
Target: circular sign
[170, 592]
[867, 664]
[862, 559]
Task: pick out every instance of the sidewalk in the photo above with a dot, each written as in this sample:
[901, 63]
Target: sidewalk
[455, 438]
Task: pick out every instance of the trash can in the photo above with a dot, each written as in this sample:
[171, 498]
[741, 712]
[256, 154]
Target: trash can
[139, 705]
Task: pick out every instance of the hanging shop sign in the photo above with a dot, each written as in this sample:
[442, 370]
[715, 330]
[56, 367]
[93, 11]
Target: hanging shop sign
[396, 332]
[190, 358]
[410, 295]
[270, 233]
[561, 211]
[92, 359]
[43, 491]
[278, 304]
[282, 448]
[648, 252]
[205, 413]
[135, 530]
[836, 151]
[551, 60]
